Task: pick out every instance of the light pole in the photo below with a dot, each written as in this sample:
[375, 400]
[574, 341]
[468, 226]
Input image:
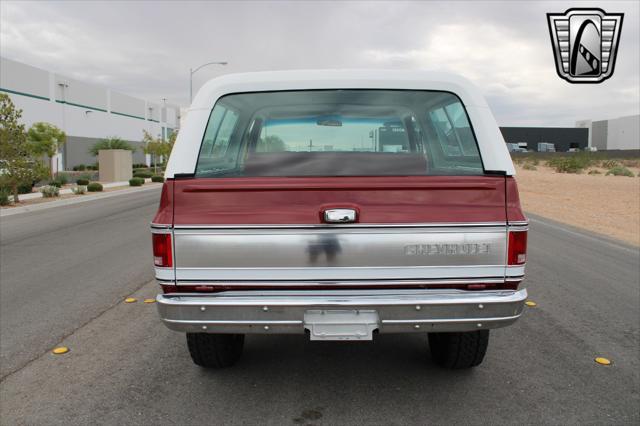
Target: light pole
[193, 71]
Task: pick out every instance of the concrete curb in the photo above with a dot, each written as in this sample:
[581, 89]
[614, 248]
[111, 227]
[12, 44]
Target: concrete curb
[79, 199]
[36, 195]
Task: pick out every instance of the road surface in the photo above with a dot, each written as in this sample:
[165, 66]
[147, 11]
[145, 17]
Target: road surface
[65, 271]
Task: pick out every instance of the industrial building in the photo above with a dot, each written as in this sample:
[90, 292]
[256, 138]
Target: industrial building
[563, 138]
[617, 133]
[85, 112]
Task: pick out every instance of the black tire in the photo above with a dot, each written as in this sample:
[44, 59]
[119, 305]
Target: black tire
[459, 350]
[215, 350]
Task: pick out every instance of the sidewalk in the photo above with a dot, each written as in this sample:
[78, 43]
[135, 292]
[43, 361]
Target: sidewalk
[79, 199]
[36, 195]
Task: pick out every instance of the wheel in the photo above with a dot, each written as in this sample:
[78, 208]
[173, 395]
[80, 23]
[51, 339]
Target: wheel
[215, 350]
[459, 350]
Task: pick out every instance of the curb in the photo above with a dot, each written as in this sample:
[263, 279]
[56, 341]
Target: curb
[78, 200]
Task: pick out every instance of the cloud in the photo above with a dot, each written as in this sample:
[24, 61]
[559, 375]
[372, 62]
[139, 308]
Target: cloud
[146, 48]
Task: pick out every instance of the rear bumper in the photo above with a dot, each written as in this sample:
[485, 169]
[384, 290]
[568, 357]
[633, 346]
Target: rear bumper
[397, 311]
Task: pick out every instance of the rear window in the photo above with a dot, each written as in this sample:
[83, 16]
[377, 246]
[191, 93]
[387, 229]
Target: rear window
[339, 133]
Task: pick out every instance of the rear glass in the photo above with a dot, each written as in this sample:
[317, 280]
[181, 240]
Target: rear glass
[339, 133]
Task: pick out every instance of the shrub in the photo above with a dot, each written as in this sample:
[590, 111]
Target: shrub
[4, 197]
[529, 166]
[56, 183]
[82, 182]
[49, 191]
[139, 166]
[62, 178]
[572, 164]
[595, 172]
[94, 187]
[110, 143]
[609, 164]
[157, 178]
[79, 190]
[620, 171]
[79, 168]
[143, 175]
[136, 181]
[25, 188]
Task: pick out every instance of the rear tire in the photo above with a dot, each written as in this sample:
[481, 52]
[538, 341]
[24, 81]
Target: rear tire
[215, 350]
[459, 350]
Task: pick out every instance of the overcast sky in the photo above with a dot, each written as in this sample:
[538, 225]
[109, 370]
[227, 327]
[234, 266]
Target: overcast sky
[146, 48]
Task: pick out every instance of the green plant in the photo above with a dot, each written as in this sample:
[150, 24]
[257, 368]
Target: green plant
[529, 166]
[143, 175]
[82, 182]
[49, 191]
[17, 160]
[595, 172]
[62, 177]
[139, 166]
[136, 181]
[46, 139]
[157, 147]
[571, 164]
[79, 190]
[94, 187]
[157, 178]
[609, 164]
[620, 171]
[79, 168]
[4, 197]
[55, 183]
[110, 143]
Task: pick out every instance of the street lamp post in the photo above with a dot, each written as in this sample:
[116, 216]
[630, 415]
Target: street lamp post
[193, 71]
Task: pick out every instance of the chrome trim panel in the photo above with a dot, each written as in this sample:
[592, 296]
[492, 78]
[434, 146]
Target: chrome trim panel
[514, 271]
[353, 283]
[339, 274]
[339, 253]
[165, 274]
[284, 311]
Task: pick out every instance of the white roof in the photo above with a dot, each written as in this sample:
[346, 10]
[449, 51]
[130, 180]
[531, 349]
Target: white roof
[493, 150]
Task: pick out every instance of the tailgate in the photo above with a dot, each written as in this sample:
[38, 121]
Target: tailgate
[419, 228]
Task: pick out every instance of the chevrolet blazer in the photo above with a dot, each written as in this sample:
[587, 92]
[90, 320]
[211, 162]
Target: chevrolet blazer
[340, 204]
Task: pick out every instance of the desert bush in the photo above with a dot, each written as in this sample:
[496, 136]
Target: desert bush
[94, 187]
[609, 164]
[595, 172]
[631, 163]
[136, 181]
[139, 166]
[82, 182]
[620, 171]
[56, 183]
[572, 164]
[79, 168]
[157, 178]
[79, 190]
[529, 166]
[143, 175]
[49, 191]
[113, 142]
[62, 178]
[4, 197]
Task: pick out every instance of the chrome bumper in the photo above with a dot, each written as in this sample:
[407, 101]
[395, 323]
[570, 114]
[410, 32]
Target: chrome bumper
[396, 311]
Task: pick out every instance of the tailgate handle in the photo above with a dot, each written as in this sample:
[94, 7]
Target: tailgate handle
[339, 215]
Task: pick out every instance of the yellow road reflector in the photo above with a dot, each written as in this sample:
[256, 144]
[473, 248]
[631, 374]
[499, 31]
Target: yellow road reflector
[531, 304]
[130, 300]
[149, 300]
[60, 350]
[603, 361]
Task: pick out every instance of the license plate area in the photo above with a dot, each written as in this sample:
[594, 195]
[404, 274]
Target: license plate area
[331, 324]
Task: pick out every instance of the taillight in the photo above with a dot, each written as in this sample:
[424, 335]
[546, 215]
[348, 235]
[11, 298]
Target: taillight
[162, 250]
[517, 248]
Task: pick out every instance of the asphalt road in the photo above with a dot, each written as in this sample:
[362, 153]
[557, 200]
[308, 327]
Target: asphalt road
[65, 272]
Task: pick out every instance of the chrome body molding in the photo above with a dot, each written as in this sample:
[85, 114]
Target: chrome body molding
[319, 283]
[339, 252]
[397, 311]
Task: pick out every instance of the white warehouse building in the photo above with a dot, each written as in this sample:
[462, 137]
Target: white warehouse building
[85, 112]
[615, 133]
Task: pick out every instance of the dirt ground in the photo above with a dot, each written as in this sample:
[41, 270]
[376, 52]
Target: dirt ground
[608, 205]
